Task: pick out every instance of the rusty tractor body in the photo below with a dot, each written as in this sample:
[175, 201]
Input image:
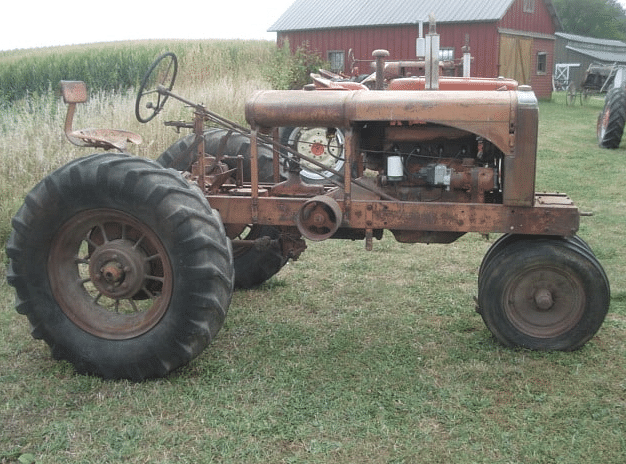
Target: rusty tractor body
[139, 259]
[466, 175]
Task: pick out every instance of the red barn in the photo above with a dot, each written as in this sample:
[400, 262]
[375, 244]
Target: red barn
[510, 38]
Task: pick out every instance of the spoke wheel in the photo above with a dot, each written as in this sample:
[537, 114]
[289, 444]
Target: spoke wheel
[570, 95]
[161, 74]
[543, 293]
[121, 266]
[110, 274]
[585, 96]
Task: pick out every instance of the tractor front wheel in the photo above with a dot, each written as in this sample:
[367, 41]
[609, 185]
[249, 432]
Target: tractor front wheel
[121, 266]
[543, 293]
[182, 153]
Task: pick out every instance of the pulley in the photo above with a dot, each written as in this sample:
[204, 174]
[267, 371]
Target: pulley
[319, 218]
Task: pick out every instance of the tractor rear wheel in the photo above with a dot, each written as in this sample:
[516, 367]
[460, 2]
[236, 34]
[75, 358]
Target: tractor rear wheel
[181, 155]
[543, 293]
[253, 265]
[612, 119]
[121, 266]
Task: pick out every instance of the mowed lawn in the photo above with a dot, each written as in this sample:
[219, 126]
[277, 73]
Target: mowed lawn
[346, 355]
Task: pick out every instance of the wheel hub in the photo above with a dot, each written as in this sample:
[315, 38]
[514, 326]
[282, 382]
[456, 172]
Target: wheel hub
[112, 272]
[315, 143]
[543, 299]
[317, 149]
[544, 302]
[117, 269]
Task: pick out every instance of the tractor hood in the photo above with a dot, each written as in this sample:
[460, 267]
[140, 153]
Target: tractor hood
[490, 114]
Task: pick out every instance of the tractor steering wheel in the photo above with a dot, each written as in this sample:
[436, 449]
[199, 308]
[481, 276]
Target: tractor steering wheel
[160, 75]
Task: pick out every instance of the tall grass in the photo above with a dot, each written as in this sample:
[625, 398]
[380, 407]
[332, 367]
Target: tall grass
[121, 65]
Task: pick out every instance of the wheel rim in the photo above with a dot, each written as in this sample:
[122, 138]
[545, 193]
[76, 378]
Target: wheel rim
[585, 96]
[110, 274]
[314, 143]
[571, 94]
[544, 302]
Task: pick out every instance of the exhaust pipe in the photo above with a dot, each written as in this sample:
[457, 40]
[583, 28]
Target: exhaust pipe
[432, 55]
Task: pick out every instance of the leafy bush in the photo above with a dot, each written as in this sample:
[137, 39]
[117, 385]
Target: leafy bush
[292, 71]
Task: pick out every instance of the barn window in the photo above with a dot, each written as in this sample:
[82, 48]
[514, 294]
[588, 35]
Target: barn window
[336, 58]
[542, 62]
[529, 6]
[446, 54]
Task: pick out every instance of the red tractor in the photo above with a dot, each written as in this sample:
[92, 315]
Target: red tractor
[126, 266]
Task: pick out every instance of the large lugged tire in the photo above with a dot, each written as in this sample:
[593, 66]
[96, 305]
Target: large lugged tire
[543, 293]
[611, 120]
[121, 266]
[179, 156]
[253, 265]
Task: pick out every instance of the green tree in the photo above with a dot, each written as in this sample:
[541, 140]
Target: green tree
[602, 19]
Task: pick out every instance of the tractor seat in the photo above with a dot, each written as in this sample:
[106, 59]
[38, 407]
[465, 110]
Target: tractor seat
[74, 92]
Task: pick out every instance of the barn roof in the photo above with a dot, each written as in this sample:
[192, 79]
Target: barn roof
[322, 14]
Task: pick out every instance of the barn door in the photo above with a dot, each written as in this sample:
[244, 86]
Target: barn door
[516, 57]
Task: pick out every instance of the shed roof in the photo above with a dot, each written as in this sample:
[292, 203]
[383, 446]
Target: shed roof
[318, 14]
[600, 55]
[604, 50]
[590, 40]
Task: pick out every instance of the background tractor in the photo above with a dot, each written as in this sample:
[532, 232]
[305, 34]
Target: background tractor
[126, 267]
[611, 120]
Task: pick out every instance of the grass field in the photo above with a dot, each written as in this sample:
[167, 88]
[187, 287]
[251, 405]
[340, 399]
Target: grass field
[345, 355]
